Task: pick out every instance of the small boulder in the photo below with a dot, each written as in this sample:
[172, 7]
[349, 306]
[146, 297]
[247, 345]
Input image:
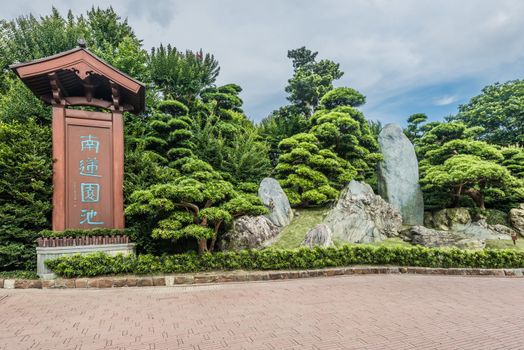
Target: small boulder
[432, 238]
[249, 232]
[319, 235]
[276, 201]
[360, 216]
[447, 219]
[516, 218]
[398, 174]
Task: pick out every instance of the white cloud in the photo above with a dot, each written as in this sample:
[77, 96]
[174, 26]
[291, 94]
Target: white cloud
[445, 100]
[386, 48]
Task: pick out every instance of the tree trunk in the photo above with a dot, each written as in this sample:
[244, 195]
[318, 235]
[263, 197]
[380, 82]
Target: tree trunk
[477, 197]
[202, 246]
[214, 239]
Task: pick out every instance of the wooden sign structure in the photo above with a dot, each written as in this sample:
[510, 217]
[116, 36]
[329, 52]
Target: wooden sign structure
[88, 145]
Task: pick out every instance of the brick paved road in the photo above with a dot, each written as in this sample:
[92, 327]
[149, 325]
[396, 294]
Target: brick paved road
[355, 312]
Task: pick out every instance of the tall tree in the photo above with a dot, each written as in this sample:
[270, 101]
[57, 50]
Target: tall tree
[311, 79]
[499, 110]
[182, 75]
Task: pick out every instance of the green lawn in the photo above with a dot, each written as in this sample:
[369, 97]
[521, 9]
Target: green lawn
[293, 234]
[505, 244]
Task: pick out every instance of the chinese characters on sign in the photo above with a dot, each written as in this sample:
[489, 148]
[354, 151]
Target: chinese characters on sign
[88, 168]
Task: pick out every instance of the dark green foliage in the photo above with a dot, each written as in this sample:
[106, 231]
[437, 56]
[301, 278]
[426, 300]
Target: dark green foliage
[309, 174]
[25, 190]
[182, 75]
[499, 111]
[225, 138]
[275, 259]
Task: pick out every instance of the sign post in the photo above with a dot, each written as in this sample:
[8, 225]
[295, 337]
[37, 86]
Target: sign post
[88, 143]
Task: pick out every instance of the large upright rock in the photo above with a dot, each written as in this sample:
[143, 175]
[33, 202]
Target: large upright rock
[516, 218]
[250, 232]
[398, 175]
[360, 216]
[275, 199]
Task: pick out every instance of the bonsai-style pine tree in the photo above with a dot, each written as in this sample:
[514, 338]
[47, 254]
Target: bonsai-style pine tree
[195, 205]
[344, 130]
[514, 160]
[455, 165]
[309, 174]
[472, 176]
[169, 131]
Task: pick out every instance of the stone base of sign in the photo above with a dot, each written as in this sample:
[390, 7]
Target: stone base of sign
[48, 253]
[248, 276]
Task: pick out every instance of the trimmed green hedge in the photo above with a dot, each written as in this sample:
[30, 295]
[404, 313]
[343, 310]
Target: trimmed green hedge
[85, 233]
[274, 259]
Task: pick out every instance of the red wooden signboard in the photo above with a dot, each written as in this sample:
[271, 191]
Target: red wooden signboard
[88, 146]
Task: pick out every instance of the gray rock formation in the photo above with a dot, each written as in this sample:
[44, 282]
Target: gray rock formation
[441, 238]
[275, 199]
[250, 232]
[398, 175]
[319, 235]
[360, 216]
[482, 230]
[516, 218]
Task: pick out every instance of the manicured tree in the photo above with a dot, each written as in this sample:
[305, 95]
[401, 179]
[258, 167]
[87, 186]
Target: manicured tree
[514, 160]
[169, 132]
[309, 174]
[343, 96]
[469, 175]
[195, 205]
[413, 131]
[499, 110]
[435, 134]
[344, 130]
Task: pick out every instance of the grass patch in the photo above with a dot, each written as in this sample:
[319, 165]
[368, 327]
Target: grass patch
[393, 242]
[505, 244]
[293, 234]
[21, 274]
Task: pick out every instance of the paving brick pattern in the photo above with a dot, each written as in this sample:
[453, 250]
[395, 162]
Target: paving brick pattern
[347, 312]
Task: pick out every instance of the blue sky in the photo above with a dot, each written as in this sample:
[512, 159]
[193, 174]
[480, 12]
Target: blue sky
[406, 56]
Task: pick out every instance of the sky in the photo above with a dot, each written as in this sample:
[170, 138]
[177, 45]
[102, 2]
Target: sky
[405, 56]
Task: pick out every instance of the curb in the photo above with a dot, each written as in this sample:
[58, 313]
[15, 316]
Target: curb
[245, 276]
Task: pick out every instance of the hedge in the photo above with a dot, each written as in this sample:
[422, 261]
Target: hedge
[97, 264]
[85, 233]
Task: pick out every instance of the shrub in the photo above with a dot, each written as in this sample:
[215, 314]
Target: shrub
[277, 259]
[86, 233]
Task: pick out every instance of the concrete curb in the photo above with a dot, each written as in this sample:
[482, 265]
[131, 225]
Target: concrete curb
[245, 276]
